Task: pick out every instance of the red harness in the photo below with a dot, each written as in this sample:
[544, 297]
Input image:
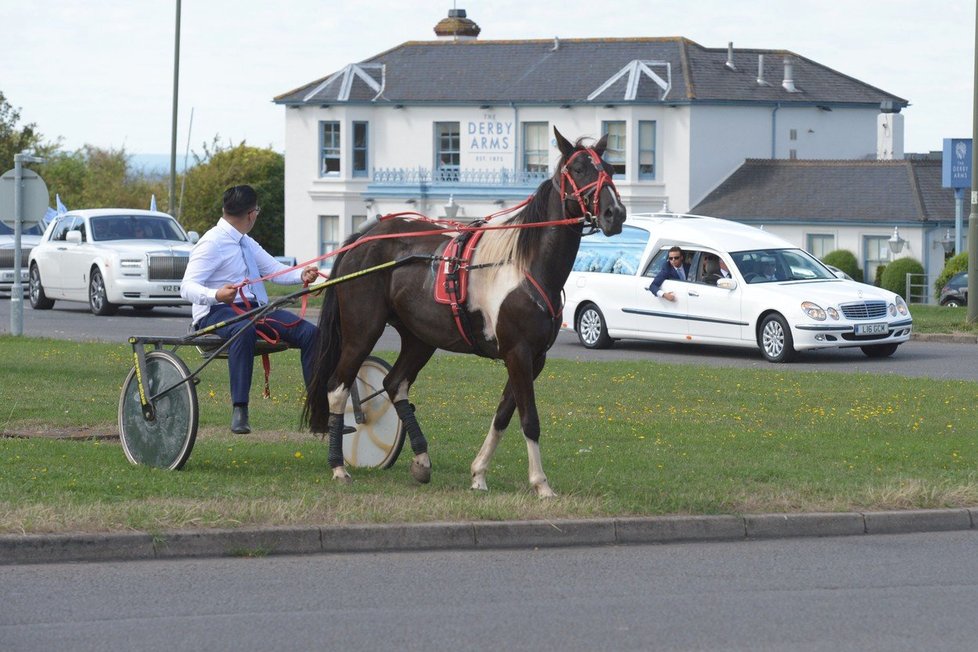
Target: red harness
[593, 189]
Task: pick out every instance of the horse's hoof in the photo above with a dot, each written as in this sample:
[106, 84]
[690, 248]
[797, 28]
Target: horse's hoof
[544, 491]
[479, 484]
[340, 475]
[420, 472]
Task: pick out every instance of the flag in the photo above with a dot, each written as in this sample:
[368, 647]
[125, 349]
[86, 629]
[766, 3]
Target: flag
[61, 207]
[152, 203]
[49, 215]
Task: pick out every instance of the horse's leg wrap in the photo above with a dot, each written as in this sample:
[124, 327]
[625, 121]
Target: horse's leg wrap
[405, 412]
[421, 464]
[335, 427]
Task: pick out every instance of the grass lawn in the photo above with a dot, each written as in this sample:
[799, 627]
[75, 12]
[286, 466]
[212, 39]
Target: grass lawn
[938, 319]
[619, 438]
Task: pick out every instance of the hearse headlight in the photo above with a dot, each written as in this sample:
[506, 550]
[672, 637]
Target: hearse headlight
[130, 263]
[833, 313]
[899, 306]
[813, 310]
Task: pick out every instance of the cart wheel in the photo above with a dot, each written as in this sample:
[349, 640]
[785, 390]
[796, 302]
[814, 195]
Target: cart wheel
[166, 441]
[378, 440]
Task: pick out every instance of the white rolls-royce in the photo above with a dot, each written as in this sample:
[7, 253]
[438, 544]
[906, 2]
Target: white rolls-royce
[110, 257]
[776, 297]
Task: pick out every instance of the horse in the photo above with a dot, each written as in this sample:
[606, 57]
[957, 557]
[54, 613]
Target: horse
[516, 277]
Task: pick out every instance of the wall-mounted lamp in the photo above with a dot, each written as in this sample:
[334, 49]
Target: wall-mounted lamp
[368, 202]
[896, 242]
[499, 202]
[947, 242]
[451, 208]
[411, 201]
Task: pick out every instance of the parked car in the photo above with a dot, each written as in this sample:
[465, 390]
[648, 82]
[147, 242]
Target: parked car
[110, 257]
[955, 291]
[808, 307]
[29, 238]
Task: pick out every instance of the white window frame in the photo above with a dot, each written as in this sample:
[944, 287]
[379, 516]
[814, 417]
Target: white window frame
[330, 147]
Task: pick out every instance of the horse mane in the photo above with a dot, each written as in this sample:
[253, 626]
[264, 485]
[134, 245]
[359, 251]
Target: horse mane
[519, 246]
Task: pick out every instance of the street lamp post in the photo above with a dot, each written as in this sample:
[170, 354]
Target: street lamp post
[17, 290]
[173, 129]
[973, 217]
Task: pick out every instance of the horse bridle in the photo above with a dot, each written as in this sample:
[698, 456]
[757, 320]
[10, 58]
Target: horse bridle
[590, 192]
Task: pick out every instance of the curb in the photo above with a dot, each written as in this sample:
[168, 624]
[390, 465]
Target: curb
[482, 535]
[945, 338]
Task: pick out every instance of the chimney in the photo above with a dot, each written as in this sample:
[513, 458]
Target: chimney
[760, 71]
[556, 44]
[789, 77]
[889, 133]
[730, 64]
[457, 27]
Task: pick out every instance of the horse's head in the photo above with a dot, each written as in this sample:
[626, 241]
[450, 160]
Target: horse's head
[586, 186]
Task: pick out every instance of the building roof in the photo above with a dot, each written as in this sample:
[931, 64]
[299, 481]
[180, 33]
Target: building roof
[897, 192]
[670, 70]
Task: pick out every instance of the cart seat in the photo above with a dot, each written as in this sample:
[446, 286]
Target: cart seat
[206, 344]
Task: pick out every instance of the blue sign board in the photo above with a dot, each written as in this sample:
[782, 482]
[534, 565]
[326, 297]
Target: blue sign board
[956, 164]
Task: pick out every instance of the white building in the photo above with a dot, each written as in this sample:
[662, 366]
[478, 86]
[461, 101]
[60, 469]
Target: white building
[471, 121]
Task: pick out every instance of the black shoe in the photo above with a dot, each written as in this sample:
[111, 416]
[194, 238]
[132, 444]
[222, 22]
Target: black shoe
[239, 420]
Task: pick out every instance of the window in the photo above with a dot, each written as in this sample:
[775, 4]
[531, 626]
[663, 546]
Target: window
[661, 259]
[330, 149]
[820, 244]
[329, 237]
[793, 154]
[447, 151]
[536, 149]
[646, 149]
[876, 252]
[792, 134]
[360, 142]
[615, 154]
[619, 254]
[61, 228]
[356, 222]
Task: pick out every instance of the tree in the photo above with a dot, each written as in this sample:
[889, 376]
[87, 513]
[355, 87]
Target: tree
[218, 169]
[92, 177]
[14, 139]
[846, 261]
[954, 264]
[894, 276]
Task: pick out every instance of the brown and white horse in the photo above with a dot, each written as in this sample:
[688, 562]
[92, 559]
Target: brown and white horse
[516, 277]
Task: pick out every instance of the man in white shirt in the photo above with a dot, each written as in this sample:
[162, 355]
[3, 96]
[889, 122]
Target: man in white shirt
[224, 257]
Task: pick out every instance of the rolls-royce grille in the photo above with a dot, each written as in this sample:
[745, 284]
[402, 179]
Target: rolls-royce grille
[864, 310]
[7, 258]
[167, 268]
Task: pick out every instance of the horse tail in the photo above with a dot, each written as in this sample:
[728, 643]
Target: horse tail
[316, 411]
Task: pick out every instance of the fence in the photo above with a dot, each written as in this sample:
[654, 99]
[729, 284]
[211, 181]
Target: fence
[918, 288]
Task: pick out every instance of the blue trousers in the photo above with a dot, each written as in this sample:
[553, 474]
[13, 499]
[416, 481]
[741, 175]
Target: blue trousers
[241, 353]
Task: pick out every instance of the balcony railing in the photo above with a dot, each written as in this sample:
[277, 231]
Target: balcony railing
[452, 176]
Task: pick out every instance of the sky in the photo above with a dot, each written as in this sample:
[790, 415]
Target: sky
[100, 72]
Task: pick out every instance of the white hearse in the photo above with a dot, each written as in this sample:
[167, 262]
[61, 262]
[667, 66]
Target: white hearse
[800, 305]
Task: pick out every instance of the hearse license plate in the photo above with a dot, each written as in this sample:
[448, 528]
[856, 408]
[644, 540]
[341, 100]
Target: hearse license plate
[171, 288]
[871, 329]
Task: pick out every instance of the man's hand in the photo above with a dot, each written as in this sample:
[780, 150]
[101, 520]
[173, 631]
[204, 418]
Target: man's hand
[310, 274]
[226, 294]
[668, 296]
